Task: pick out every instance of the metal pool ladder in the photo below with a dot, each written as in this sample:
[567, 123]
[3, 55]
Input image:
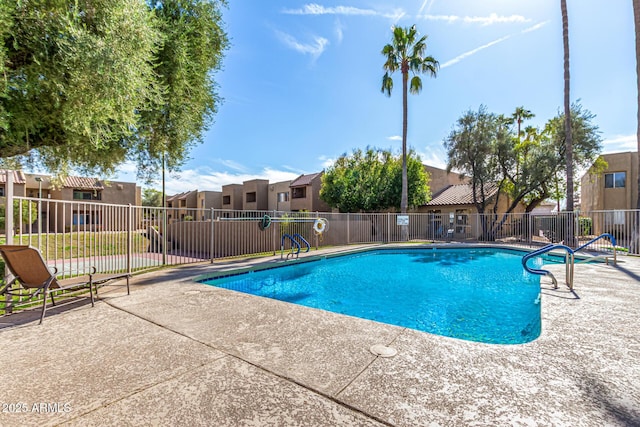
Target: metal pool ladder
[569, 261]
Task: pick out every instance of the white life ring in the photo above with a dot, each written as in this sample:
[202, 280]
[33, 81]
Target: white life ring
[320, 225]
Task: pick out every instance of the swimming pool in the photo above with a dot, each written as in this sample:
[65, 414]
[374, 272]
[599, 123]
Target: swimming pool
[476, 294]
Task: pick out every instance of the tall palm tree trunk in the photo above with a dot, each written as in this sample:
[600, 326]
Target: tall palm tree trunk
[635, 240]
[636, 18]
[567, 122]
[404, 197]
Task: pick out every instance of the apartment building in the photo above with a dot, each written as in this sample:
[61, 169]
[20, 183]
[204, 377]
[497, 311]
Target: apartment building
[62, 216]
[615, 188]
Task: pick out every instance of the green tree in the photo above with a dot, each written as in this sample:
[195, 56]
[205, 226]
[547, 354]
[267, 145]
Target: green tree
[471, 149]
[371, 180]
[77, 74]
[151, 197]
[86, 81]
[485, 148]
[25, 213]
[193, 43]
[406, 53]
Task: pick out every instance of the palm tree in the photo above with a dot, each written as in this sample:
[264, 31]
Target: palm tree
[405, 53]
[635, 242]
[567, 119]
[636, 18]
[521, 114]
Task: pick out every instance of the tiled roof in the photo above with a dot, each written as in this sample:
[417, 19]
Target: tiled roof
[180, 196]
[461, 194]
[83, 183]
[303, 180]
[18, 177]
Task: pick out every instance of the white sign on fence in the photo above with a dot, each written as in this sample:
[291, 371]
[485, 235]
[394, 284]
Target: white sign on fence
[403, 220]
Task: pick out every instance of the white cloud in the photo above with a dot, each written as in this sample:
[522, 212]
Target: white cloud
[483, 20]
[338, 29]
[232, 165]
[494, 42]
[426, 4]
[315, 49]
[435, 157]
[317, 9]
[394, 138]
[620, 143]
[535, 27]
[473, 51]
[326, 161]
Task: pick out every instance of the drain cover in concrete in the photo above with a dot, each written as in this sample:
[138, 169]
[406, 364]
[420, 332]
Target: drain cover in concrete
[383, 350]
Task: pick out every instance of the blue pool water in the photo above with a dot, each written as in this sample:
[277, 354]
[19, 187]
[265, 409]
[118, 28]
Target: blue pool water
[480, 294]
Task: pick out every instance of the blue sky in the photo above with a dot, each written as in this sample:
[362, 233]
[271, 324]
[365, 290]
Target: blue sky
[301, 81]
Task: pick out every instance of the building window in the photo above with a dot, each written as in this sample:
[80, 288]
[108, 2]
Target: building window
[299, 193]
[615, 180]
[283, 197]
[226, 200]
[2, 191]
[86, 195]
[251, 197]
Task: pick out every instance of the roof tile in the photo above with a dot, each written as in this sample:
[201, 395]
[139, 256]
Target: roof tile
[303, 180]
[83, 183]
[461, 194]
[18, 177]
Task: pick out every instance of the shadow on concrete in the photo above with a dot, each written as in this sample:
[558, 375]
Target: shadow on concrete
[598, 393]
[629, 273]
[32, 314]
[560, 293]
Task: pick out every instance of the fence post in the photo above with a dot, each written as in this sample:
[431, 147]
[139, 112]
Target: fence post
[8, 229]
[129, 234]
[274, 233]
[211, 236]
[348, 232]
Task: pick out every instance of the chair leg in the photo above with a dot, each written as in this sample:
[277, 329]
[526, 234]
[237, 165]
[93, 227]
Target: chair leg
[91, 292]
[44, 305]
[128, 293]
[52, 301]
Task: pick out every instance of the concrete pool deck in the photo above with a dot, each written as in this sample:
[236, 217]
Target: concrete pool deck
[176, 352]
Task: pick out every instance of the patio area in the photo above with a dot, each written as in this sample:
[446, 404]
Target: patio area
[176, 352]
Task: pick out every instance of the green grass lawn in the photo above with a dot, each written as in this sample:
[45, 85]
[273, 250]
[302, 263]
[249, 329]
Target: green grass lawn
[82, 244]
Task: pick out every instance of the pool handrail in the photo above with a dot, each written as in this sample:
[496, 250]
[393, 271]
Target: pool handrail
[294, 242]
[303, 240]
[541, 272]
[612, 239]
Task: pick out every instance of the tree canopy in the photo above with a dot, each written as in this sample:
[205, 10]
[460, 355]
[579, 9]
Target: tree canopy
[91, 83]
[151, 197]
[485, 147]
[371, 181]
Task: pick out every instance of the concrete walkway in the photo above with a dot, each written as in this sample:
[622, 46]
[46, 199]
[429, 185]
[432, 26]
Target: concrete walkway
[176, 352]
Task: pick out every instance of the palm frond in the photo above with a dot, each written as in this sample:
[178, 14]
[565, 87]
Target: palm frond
[416, 85]
[387, 84]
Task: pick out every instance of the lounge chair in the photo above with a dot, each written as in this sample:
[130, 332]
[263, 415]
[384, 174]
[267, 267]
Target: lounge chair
[29, 269]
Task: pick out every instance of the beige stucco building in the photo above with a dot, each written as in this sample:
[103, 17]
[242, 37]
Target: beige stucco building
[616, 188]
[305, 193]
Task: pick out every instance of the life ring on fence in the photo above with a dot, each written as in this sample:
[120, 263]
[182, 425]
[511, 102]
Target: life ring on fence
[264, 222]
[320, 225]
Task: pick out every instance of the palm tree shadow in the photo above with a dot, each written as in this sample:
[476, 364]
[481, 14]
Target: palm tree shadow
[599, 394]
